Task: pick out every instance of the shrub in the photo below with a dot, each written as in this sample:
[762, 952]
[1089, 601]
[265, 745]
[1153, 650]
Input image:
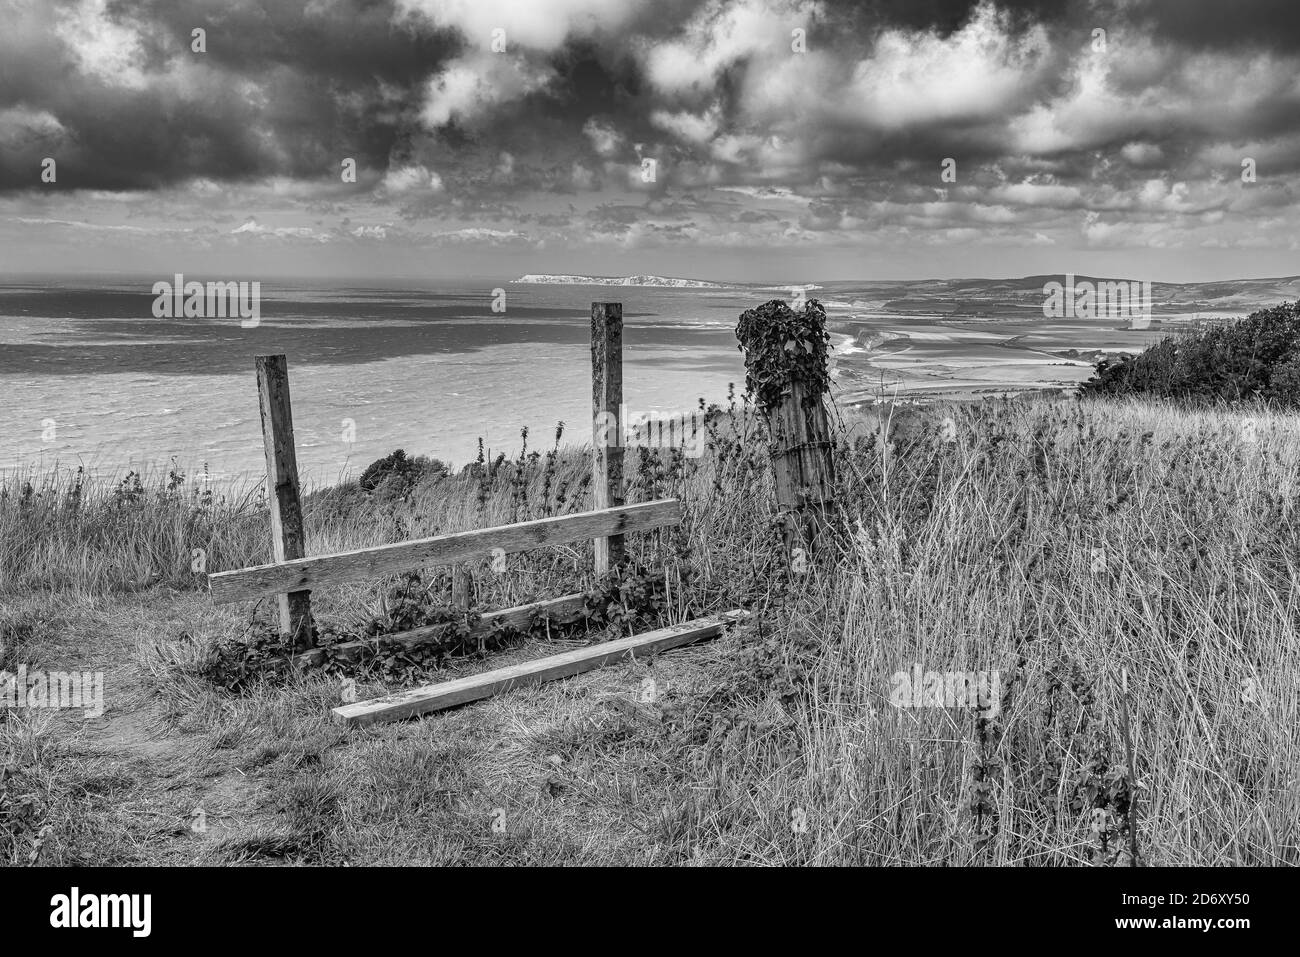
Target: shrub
[398, 474]
[1256, 358]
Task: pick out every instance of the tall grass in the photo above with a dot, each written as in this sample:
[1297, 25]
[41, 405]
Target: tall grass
[1078, 550]
[1107, 559]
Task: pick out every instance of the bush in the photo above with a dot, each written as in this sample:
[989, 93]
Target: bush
[1284, 385]
[1256, 358]
[398, 474]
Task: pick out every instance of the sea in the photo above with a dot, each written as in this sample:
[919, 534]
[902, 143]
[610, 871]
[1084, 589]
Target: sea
[89, 376]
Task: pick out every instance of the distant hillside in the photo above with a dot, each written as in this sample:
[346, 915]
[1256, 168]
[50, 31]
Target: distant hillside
[1024, 297]
[1014, 299]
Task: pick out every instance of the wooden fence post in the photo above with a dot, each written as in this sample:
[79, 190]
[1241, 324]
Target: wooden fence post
[786, 369]
[607, 424]
[802, 464]
[283, 492]
[461, 584]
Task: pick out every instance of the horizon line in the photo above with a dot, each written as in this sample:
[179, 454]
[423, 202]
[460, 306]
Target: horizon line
[10, 276]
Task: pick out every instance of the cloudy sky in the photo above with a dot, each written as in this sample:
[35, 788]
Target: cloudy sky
[780, 140]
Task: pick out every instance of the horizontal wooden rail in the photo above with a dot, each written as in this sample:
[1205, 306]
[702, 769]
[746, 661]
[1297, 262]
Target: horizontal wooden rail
[416, 701]
[307, 573]
[520, 617]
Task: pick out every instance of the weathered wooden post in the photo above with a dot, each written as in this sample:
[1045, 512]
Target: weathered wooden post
[787, 372]
[287, 541]
[607, 425]
[461, 585]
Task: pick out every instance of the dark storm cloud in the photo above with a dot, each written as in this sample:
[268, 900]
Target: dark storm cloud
[1224, 24]
[345, 45]
[942, 16]
[288, 88]
[1216, 24]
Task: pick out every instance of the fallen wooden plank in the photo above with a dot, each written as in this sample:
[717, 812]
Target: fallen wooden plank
[519, 617]
[306, 573]
[422, 700]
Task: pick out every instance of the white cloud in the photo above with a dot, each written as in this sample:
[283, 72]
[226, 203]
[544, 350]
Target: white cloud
[782, 193]
[479, 234]
[105, 49]
[980, 72]
[406, 179]
[529, 23]
[605, 140]
[1037, 194]
[696, 128]
[98, 227]
[20, 125]
[582, 178]
[1142, 154]
[251, 227]
[1149, 91]
[477, 82]
[1170, 197]
[720, 35]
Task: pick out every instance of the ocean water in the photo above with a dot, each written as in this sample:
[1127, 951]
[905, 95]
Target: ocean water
[89, 377]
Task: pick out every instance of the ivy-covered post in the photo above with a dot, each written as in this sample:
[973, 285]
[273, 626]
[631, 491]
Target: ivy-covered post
[786, 370]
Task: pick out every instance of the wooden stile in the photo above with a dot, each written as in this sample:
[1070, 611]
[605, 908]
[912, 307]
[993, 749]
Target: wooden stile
[607, 424]
[383, 560]
[292, 575]
[283, 493]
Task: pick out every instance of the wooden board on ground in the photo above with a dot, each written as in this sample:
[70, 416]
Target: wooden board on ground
[448, 694]
[307, 573]
[520, 616]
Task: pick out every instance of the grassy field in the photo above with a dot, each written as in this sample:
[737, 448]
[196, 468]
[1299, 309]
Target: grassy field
[1119, 566]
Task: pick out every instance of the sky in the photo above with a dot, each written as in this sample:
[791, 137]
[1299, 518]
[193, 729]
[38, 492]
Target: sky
[745, 140]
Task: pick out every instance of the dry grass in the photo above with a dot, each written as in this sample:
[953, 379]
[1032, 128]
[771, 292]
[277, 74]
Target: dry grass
[1070, 548]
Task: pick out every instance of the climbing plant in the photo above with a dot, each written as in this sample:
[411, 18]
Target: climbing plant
[782, 345]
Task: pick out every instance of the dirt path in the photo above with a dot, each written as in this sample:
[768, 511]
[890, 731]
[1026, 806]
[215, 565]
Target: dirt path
[177, 772]
[135, 787]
